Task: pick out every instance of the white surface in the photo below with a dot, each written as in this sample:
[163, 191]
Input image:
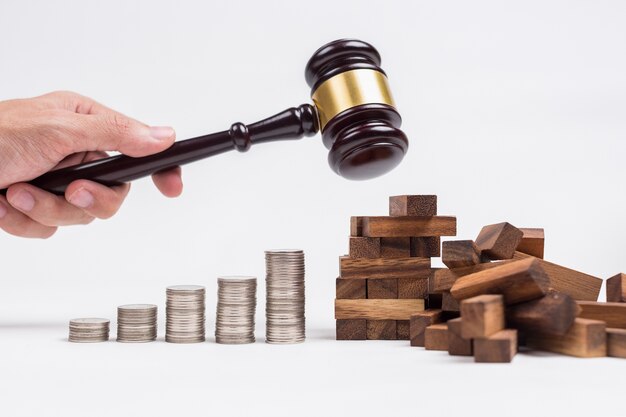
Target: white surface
[515, 111]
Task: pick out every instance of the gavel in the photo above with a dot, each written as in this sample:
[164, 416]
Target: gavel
[352, 106]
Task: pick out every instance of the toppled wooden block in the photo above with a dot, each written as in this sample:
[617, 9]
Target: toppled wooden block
[442, 279]
[616, 343]
[573, 283]
[403, 330]
[377, 309]
[395, 247]
[413, 288]
[426, 247]
[409, 226]
[532, 242]
[500, 347]
[585, 339]
[364, 247]
[460, 253]
[449, 303]
[436, 337]
[517, 281]
[381, 330]
[419, 322]
[413, 205]
[350, 288]
[457, 345]
[482, 315]
[614, 314]
[616, 289]
[382, 288]
[553, 313]
[498, 241]
[356, 226]
[382, 268]
[351, 329]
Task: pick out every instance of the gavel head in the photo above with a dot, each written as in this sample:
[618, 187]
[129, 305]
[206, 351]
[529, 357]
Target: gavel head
[358, 119]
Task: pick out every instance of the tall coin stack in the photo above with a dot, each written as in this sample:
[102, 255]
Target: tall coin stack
[285, 322]
[89, 330]
[184, 314]
[137, 323]
[236, 305]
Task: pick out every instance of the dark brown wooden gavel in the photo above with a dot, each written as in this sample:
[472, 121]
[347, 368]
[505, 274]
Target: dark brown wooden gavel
[353, 108]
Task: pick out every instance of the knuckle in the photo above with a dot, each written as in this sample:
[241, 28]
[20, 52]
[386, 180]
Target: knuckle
[119, 124]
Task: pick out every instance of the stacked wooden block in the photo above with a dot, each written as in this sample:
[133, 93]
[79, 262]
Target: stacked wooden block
[385, 277]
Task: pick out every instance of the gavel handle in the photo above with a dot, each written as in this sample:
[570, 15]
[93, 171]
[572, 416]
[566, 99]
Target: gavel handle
[293, 123]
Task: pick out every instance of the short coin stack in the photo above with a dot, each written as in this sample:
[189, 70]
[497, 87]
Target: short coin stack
[236, 305]
[89, 330]
[184, 314]
[137, 323]
[285, 321]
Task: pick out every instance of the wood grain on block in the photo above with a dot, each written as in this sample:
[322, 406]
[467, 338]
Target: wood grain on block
[426, 247]
[517, 281]
[457, 345]
[616, 289]
[573, 283]
[553, 313]
[382, 268]
[460, 253]
[356, 226]
[351, 288]
[585, 339]
[381, 330]
[436, 337]
[351, 329]
[482, 315]
[364, 247]
[434, 301]
[395, 247]
[382, 288]
[616, 342]
[498, 241]
[410, 226]
[449, 303]
[532, 242]
[419, 322]
[500, 347]
[442, 279]
[614, 314]
[413, 288]
[377, 309]
[413, 205]
[402, 330]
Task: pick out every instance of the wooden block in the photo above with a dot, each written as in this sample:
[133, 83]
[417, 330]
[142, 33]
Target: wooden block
[616, 343]
[498, 241]
[500, 347]
[482, 315]
[356, 226]
[382, 288]
[351, 329]
[364, 247]
[616, 289]
[351, 288]
[377, 309]
[460, 253]
[434, 301]
[381, 330]
[403, 330]
[532, 242]
[413, 205]
[419, 322]
[517, 281]
[585, 339]
[442, 279]
[614, 314]
[436, 337]
[382, 268]
[553, 313]
[426, 247]
[577, 285]
[410, 226]
[395, 247]
[449, 303]
[457, 345]
[413, 288]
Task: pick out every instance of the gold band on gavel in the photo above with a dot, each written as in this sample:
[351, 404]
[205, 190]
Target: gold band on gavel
[349, 89]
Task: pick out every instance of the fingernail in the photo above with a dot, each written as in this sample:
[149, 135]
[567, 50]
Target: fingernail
[23, 200]
[161, 132]
[81, 198]
[3, 210]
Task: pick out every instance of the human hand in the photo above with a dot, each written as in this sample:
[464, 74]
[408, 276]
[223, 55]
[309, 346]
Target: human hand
[62, 129]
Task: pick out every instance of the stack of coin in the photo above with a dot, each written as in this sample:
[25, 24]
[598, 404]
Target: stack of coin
[137, 323]
[236, 305]
[184, 314]
[89, 330]
[285, 321]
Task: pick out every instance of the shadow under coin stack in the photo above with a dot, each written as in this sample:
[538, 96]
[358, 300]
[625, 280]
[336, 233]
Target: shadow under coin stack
[285, 321]
[236, 305]
[89, 330]
[184, 314]
[136, 323]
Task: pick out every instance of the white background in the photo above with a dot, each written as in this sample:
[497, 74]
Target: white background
[515, 112]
